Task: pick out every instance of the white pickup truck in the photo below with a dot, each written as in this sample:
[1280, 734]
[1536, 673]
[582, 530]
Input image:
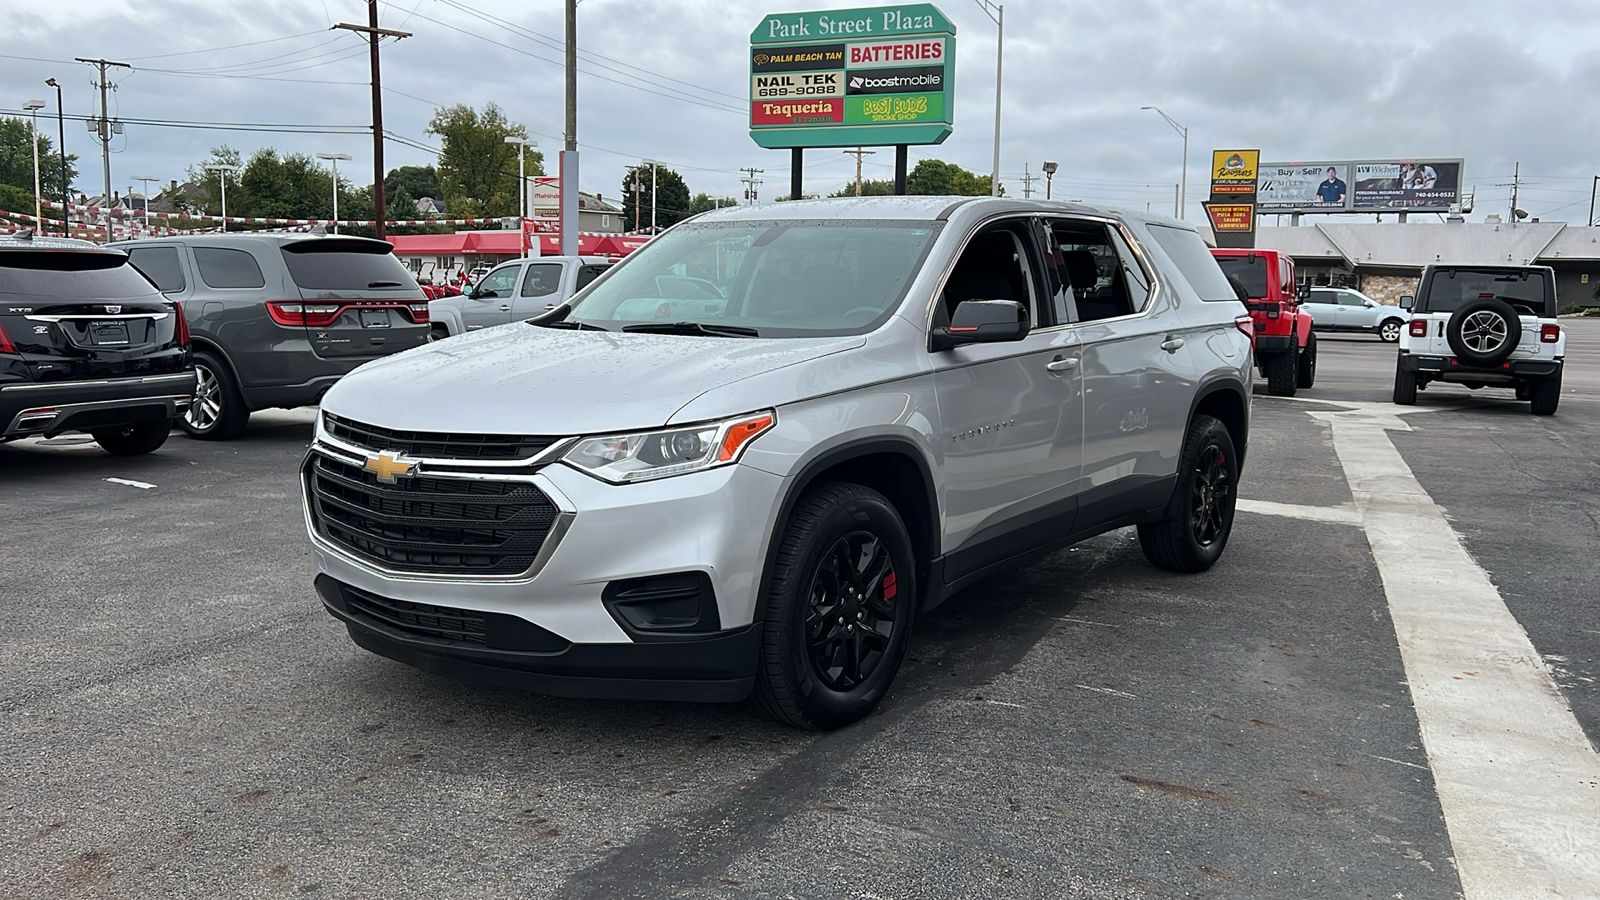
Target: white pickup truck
[519, 289]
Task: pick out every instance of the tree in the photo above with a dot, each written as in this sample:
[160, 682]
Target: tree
[704, 201]
[870, 187]
[933, 176]
[418, 181]
[16, 167]
[477, 168]
[672, 197]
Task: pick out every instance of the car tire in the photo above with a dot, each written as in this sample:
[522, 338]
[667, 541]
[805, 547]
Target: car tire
[135, 439]
[1306, 367]
[1281, 372]
[217, 412]
[817, 668]
[1483, 331]
[1546, 395]
[438, 332]
[1405, 386]
[1389, 330]
[1199, 517]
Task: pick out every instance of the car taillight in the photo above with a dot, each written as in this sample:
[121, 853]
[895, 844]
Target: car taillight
[1549, 334]
[419, 312]
[288, 312]
[183, 325]
[5, 342]
[1419, 327]
[1246, 325]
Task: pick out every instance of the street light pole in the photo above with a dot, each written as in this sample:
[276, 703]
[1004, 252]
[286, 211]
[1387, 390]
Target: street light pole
[333, 159]
[1183, 184]
[144, 184]
[1049, 174]
[61, 152]
[652, 164]
[33, 107]
[997, 13]
[1592, 187]
[222, 171]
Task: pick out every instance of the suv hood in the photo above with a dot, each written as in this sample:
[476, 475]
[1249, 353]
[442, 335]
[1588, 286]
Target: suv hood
[523, 379]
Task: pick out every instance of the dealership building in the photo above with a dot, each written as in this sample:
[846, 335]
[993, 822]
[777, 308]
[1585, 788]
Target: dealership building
[1384, 259]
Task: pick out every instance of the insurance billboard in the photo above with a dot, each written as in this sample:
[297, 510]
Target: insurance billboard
[1373, 185]
[852, 77]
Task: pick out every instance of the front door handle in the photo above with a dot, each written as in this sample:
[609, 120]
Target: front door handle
[1062, 364]
[1172, 344]
[507, 308]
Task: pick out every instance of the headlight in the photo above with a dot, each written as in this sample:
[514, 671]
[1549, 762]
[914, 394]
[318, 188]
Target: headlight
[642, 456]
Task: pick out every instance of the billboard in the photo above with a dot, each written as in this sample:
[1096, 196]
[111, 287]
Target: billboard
[1374, 185]
[852, 77]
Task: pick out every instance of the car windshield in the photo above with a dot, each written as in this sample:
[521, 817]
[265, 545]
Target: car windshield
[1524, 289]
[792, 278]
[1251, 272]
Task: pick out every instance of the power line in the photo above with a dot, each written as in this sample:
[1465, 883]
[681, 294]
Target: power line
[286, 37]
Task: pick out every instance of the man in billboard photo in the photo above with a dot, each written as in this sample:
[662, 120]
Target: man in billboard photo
[1331, 190]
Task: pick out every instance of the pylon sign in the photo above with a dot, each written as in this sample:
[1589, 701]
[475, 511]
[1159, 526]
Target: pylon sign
[852, 77]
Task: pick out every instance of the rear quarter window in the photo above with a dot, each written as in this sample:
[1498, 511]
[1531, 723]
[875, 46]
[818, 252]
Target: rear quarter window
[1193, 258]
[227, 268]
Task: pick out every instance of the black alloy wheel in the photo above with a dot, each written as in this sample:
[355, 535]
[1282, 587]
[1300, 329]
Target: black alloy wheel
[838, 609]
[850, 610]
[1199, 518]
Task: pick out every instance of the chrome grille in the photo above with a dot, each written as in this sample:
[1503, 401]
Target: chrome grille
[434, 444]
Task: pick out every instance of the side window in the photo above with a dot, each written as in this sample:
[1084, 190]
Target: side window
[161, 265]
[1098, 270]
[1321, 297]
[499, 283]
[1194, 261]
[995, 265]
[222, 268]
[588, 274]
[542, 280]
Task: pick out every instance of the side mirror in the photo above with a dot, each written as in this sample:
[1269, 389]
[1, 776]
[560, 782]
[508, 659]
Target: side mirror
[1405, 301]
[1303, 291]
[478, 294]
[1370, 303]
[983, 322]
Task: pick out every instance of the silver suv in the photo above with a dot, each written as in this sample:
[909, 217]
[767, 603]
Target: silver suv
[645, 495]
[278, 318]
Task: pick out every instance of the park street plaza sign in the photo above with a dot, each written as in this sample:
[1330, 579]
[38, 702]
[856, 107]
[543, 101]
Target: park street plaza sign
[852, 77]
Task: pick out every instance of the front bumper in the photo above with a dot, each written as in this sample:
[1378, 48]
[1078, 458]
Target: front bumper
[1450, 369]
[566, 640]
[50, 408]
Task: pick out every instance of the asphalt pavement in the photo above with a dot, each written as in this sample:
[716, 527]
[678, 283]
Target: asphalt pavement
[181, 719]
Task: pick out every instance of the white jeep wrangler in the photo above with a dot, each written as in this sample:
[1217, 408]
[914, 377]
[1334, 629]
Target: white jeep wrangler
[1484, 326]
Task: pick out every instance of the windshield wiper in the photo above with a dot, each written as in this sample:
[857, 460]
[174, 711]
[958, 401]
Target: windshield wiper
[571, 325]
[556, 317]
[692, 328]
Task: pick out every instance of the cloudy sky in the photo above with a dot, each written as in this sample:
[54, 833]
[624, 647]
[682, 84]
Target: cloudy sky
[1496, 83]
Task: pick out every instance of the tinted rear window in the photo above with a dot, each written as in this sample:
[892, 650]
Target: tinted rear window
[67, 275]
[226, 268]
[160, 265]
[1526, 290]
[1250, 270]
[1193, 258]
[316, 266]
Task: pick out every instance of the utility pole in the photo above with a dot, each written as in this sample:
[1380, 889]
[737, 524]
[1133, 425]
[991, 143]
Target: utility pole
[105, 128]
[636, 186]
[858, 153]
[374, 35]
[751, 183]
[569, 155]
[1028, 178]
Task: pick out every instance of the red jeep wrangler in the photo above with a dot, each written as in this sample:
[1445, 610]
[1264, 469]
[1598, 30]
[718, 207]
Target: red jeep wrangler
[1286, 350]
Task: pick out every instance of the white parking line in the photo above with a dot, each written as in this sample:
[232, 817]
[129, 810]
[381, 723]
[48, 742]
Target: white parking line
[1517, 779]
[138, 484]
[1333, 515]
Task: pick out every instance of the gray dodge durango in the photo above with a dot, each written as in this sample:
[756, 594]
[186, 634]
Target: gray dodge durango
[754, 487]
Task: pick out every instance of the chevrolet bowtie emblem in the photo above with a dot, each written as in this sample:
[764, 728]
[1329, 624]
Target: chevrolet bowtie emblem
[389, 467]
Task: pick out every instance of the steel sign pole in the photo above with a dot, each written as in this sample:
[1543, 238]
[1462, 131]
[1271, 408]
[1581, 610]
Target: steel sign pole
[569, 155]
[33, 107]
[796, 167]
[998, 16]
